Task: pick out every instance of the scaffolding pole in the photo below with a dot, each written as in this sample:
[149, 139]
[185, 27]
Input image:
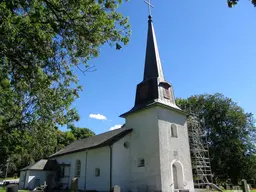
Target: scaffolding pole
[199, 152]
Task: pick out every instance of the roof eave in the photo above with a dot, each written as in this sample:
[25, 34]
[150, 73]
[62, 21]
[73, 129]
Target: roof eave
[152, 105]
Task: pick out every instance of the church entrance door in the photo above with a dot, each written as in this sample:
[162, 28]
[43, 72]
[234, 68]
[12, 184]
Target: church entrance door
[36, 183]
[177, 176]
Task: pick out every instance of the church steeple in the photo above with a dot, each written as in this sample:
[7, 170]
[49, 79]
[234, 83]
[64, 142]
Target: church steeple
[153, 89]
[153, 66]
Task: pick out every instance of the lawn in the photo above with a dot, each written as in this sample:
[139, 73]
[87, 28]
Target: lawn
[3, 190]
[254, 190]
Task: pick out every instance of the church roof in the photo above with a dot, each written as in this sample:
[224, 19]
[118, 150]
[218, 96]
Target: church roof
[43, 165]
[96, 141]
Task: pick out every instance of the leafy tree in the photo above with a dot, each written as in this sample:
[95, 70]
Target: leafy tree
[42, 43]
[231, 134]
[81, 133]
[64, 139]
[75, 133]
[232, 3]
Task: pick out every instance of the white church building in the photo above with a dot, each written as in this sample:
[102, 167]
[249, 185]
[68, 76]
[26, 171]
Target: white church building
[149, 153]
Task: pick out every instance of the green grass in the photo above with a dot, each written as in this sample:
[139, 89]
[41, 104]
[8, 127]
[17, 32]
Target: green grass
[254, 190]
[2, 189]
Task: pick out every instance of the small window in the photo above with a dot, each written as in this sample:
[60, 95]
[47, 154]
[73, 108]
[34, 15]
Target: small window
[126, 144]
[166, 93]
[141, 163]
[143, 89]
[97, 172]
[62, 171]
[78, 168]
[166, 89]
[174, 131]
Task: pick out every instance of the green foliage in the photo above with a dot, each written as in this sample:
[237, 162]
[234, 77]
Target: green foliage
[232, 3]
[81, 133]
[42, 42]
[64, 139]
[75, 133]
[231, 135]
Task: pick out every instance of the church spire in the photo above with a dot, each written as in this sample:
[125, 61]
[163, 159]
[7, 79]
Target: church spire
[153, 66]
[153, 90]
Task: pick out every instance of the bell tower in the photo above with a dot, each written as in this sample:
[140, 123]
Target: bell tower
[159, 149]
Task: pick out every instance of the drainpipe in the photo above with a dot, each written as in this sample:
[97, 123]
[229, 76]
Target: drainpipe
[110, 169]
[85, 168]
[25, 179]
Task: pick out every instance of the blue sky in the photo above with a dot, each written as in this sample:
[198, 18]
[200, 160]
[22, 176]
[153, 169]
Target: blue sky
[205, 47]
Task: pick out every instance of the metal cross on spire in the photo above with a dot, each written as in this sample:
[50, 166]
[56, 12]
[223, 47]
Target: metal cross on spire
[149, 6]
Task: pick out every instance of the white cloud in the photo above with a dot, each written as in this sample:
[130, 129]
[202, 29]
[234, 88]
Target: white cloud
[115, 127]
[98, 116]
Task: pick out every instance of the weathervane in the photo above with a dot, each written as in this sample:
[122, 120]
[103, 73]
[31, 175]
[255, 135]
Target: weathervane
[149, 6]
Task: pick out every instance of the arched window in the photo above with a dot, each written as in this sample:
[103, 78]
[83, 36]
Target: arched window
[141, 162]
[174, 131]
[97, 172]
[166, 89]
[78, 168]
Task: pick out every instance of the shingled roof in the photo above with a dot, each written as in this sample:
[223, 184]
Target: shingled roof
[96, 141]
[43, 165]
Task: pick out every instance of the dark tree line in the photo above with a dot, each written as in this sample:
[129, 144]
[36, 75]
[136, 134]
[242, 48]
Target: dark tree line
[41, 148]
[231, 135]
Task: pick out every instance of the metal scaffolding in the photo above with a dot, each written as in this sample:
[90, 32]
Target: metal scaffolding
[199, 152]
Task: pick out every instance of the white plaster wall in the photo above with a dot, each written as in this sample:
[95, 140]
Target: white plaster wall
[121, 164]
[22, 179]
[71, 159]
[144, 144]
[32, 175]
[26, 179]
[168, 146]
[98, 158]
